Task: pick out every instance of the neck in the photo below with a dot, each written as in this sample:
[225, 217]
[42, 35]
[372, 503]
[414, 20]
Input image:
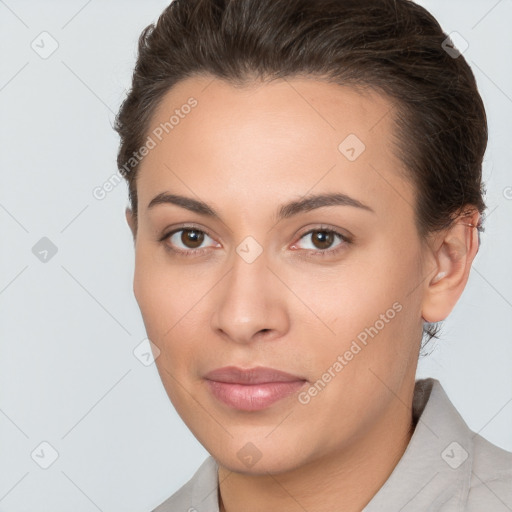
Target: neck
[350, 477]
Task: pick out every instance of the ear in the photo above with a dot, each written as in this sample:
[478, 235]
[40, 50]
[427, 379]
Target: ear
[453, 256]
[132, 222]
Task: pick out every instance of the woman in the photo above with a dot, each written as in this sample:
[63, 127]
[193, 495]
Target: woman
[306, 200]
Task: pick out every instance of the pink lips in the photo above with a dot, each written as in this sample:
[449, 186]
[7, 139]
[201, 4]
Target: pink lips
[251, 389]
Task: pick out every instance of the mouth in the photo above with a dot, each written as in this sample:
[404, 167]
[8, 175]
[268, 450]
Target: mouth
[252, 389]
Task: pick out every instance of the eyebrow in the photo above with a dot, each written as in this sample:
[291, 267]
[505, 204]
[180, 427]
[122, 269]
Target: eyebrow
[285, 211]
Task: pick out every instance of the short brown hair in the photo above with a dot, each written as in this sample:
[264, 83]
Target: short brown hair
[392, 46]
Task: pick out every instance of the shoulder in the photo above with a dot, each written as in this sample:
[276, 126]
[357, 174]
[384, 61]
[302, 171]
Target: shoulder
[199, 494]
[491, 477]
[485, 479]
[446, 466]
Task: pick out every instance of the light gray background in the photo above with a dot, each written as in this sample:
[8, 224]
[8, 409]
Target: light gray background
[69, 326]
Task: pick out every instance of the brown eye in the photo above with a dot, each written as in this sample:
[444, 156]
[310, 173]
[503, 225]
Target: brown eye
[322, 239]
[321, 242]
[191, 238]
[186, 241]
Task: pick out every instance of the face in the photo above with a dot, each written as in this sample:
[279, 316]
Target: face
[328, 293]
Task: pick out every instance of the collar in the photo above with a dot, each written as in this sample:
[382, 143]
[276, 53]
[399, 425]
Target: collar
[434, 472]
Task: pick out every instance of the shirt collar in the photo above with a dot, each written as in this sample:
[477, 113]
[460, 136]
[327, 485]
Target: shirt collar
[435, 469]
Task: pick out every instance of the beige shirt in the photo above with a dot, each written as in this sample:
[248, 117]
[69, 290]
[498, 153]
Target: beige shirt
[446, 467]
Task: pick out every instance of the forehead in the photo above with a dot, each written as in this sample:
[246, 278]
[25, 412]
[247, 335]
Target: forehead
[290, 108]
[272, 141]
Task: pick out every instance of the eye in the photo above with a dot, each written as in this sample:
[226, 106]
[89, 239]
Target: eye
[185, 240]
[322, 239]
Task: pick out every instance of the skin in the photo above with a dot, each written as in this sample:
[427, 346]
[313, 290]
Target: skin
[245, 151]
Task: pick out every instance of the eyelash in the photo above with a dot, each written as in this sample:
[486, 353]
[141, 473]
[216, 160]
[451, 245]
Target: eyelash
[197, 252]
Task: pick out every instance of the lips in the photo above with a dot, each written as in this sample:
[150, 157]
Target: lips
[258, 375]
[252, 389]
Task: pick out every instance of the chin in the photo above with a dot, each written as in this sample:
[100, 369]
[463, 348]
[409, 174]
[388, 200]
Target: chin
[274, 464]
[255, 455]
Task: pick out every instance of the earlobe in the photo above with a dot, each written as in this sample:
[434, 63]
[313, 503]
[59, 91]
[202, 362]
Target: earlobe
[453, 259]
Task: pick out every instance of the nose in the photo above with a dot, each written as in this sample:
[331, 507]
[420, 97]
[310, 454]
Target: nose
[250, 303]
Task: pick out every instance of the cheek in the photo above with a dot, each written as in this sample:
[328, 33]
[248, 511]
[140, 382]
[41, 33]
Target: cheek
[169, 301]
[156, 294]
[349, 299]
[369, 308]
